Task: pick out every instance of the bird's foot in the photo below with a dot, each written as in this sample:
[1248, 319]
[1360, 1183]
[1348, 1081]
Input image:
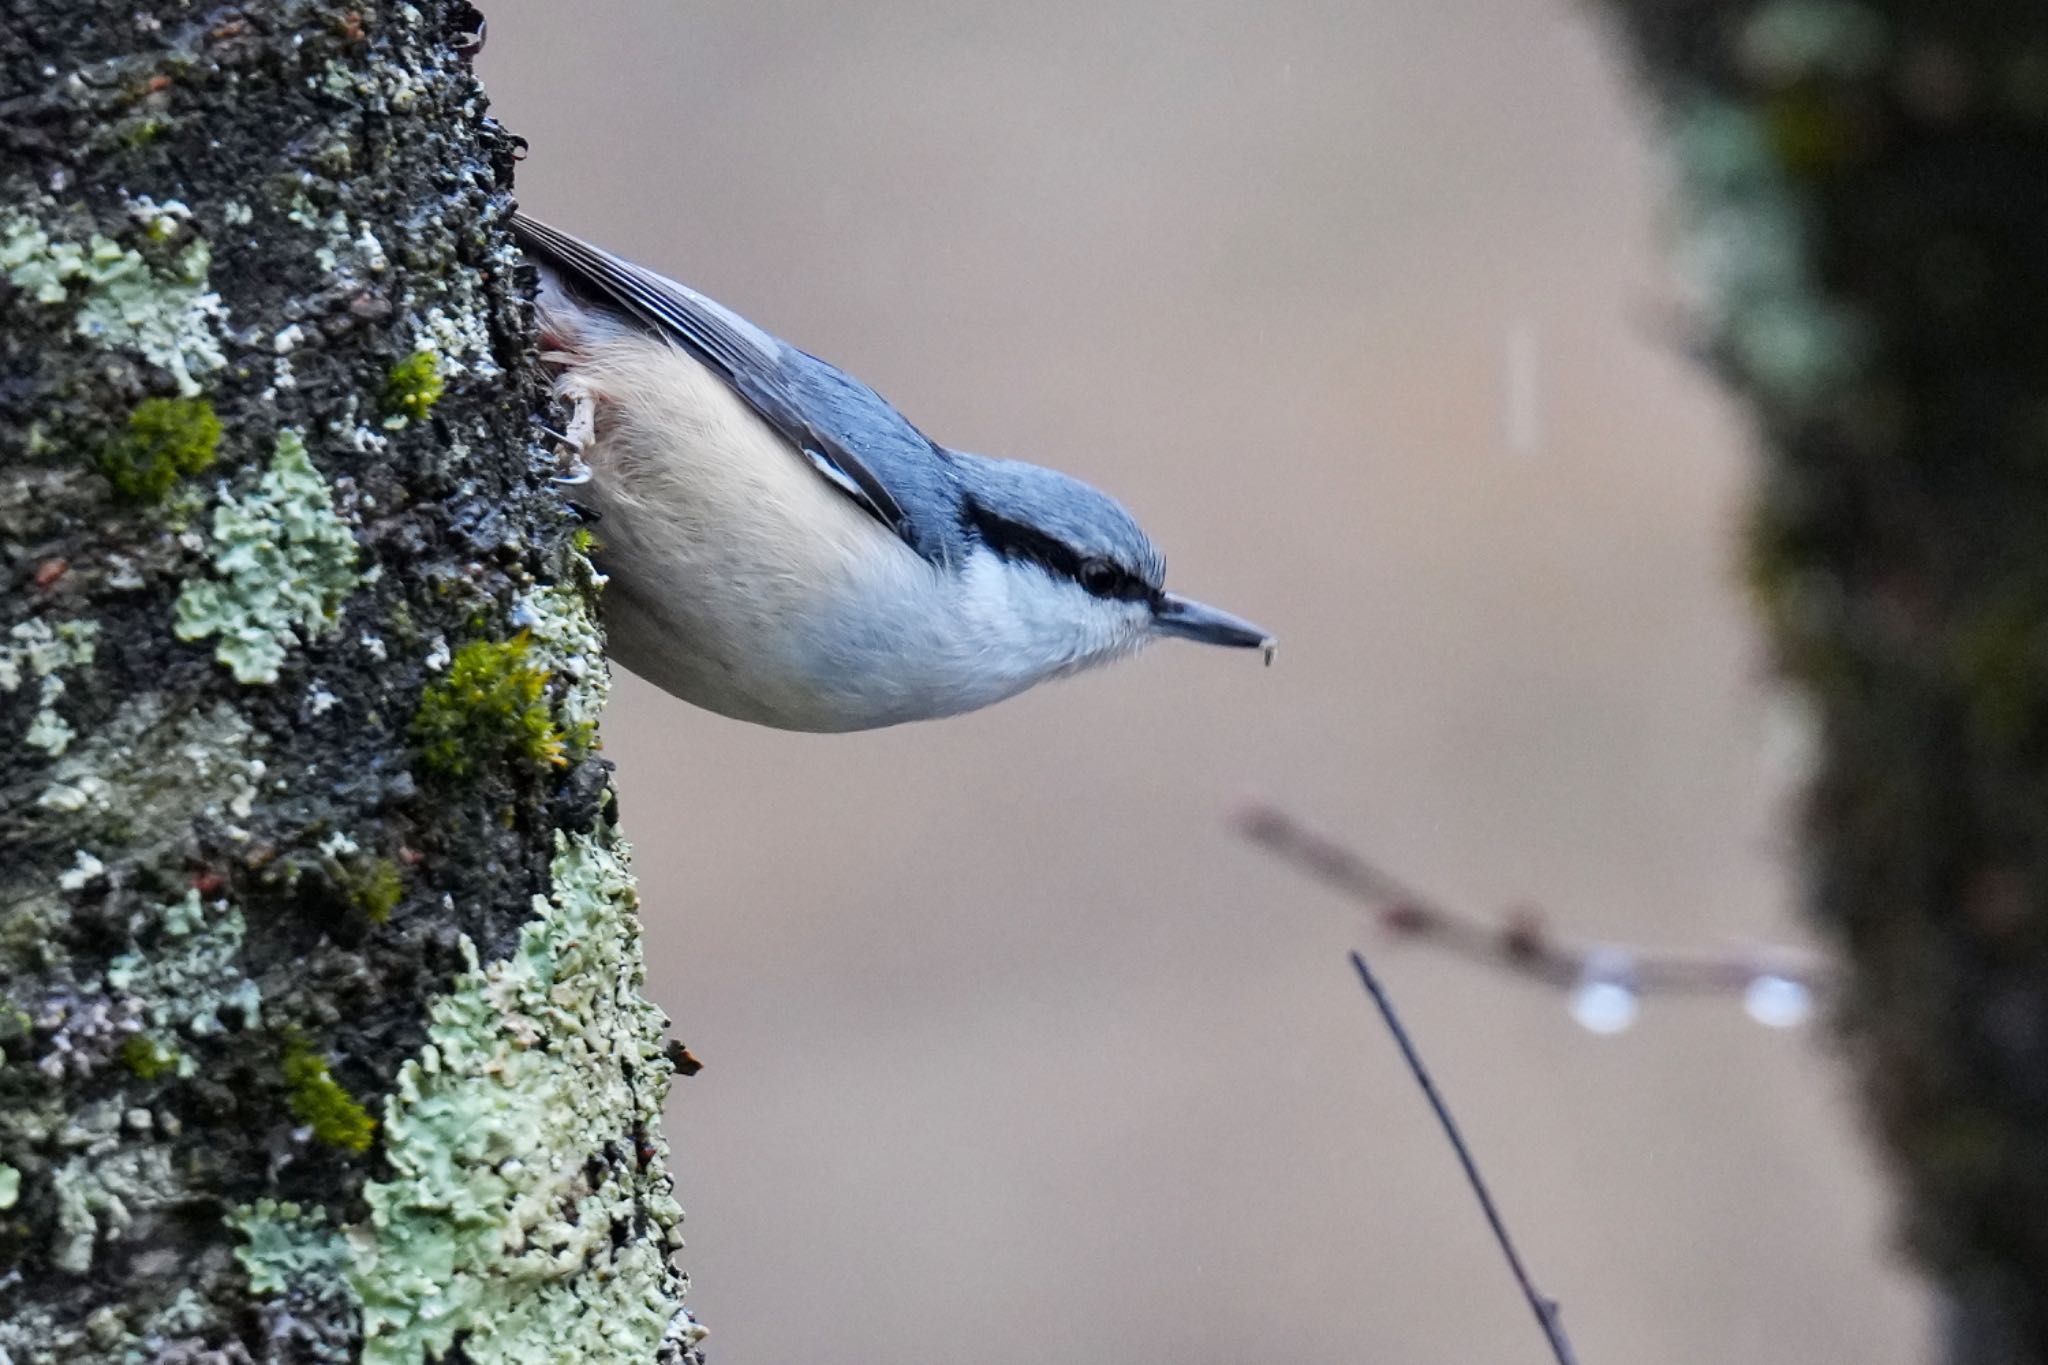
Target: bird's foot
[578, 438]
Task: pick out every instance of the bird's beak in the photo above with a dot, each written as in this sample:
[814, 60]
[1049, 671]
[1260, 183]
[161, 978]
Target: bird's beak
[1193, 621]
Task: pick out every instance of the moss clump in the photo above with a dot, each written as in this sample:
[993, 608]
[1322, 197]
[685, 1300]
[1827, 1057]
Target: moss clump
[1999, 660]
[414, 386]
[491, 704]
[319, 1101]
[166, 439]
[141, 133]
[377, 888]
[146, 1058]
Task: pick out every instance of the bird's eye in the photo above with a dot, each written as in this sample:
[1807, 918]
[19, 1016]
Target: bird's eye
[1100, 577]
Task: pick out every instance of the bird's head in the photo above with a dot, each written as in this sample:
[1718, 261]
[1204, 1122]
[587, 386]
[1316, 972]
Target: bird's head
[1061, 572]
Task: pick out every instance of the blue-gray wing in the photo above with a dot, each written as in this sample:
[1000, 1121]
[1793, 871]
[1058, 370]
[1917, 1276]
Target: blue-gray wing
[844, 428]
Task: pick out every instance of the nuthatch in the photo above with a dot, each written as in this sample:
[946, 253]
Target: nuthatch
[784, 547]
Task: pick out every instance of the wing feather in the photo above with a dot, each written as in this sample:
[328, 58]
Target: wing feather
[754, 364]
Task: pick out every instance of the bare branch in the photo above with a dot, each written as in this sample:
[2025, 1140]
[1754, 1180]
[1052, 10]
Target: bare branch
[1543, 1306]
[1774, 982]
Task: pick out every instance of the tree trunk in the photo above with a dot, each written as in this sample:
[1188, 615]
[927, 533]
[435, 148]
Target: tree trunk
[1867, 216]
[320, 1027]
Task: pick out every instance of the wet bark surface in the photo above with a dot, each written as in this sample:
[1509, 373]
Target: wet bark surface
[318, 964]
[1866, 217]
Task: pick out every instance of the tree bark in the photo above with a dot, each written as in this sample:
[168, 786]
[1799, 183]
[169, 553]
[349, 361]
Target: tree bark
[1866, 189]
[321, 1036]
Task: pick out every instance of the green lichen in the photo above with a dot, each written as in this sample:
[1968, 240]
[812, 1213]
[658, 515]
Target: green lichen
[1791, 40]
[283, 562]
[166, 439]
[568, 642]
[527, 1213]
[285, 1245]
[145, 771]
[490, 705]
[1745, 251]
[322, 1103]
[106, 1185]
[34, 650]
[165, 313]
[192, 976]
[414, 386]
[10, 1186]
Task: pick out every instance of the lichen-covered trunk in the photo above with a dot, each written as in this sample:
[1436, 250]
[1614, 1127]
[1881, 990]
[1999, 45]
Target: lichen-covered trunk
[1867, 217]
[320, 1028]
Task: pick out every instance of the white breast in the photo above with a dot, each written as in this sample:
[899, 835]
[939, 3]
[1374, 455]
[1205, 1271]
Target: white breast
[744, 583]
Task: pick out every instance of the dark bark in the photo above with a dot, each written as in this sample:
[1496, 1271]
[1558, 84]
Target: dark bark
[318, 965]
[1867, 208]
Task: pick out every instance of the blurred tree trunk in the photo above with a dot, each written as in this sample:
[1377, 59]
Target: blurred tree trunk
[320, 1029]
[1866, 218]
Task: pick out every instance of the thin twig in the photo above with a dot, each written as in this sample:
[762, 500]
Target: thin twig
[1545, 1308]
[1520, 941]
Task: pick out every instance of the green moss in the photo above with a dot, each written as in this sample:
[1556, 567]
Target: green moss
[141, 133]
[283, 562]
[147, 1058]
[414, 386]
[1812, 132]
[166, 439]
[2001, 663]
[491, 705]
[321, 1103]
[376, 887]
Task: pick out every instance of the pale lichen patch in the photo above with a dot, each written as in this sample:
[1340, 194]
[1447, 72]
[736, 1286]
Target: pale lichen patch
[101, 1190]
[153, 773]
[192, 976]
[1790, 40]
[1744, 254]
[522, 1139]
[285, 1245]
[569, 643]
[283, 562]
[164, 313]
[35, 651]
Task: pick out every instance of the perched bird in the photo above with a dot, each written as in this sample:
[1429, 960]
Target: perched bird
[785, 548]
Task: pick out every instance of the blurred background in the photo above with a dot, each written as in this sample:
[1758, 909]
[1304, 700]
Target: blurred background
[1013, 1053]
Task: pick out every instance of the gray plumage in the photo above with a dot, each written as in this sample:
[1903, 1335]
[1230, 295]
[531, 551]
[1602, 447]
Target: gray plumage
[662, 444]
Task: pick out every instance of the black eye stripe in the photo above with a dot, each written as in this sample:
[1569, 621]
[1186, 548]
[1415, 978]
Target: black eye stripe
[1013, 540]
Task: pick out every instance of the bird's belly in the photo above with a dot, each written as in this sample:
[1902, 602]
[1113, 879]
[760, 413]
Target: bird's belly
[795, 660]
[743, 582]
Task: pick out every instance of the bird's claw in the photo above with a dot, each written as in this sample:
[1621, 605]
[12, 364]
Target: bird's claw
[469, 44]
[578, 438]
